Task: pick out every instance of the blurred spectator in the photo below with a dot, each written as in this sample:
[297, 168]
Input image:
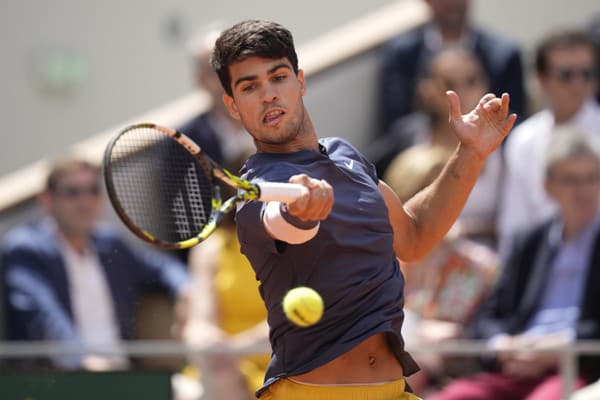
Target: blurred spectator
[453, 68]
[220, 136]
[566, 65]
[405, 56]
[547, 294]
[68, 279]
[594, 31]
[227, 310]
[443, 290]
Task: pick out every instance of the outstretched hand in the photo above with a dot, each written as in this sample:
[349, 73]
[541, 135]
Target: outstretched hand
[486, 126]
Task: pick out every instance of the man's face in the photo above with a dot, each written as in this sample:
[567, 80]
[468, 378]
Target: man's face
[454, 71]
[570, 79]
[75, 203]
[267, 98]
[575, 184]
[450, 14]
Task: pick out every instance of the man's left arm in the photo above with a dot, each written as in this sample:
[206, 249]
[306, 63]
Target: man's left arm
[424, 220]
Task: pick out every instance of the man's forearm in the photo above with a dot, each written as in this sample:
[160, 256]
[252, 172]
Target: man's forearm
[435, 209]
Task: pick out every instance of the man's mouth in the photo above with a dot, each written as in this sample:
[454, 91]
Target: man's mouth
[273, 117]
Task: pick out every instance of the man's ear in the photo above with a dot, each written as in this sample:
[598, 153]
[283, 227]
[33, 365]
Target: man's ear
[302, 81]
[231, 106]
[45, 201]
[542, 81]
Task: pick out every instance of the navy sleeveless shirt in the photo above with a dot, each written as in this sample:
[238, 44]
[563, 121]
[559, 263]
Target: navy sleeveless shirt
[350, 262]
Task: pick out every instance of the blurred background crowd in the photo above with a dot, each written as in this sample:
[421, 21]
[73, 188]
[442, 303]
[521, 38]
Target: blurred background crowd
[518, 271]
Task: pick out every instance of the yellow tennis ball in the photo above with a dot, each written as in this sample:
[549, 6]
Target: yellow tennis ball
[303, 306]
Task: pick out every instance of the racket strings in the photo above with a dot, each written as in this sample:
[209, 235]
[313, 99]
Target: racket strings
[160, 186]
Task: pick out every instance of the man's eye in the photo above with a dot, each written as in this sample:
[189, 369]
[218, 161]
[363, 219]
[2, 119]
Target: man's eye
[279, 78]
[248, 88]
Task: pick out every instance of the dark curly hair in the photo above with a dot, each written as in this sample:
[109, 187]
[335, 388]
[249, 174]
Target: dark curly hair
[564, 39]
[251, 38]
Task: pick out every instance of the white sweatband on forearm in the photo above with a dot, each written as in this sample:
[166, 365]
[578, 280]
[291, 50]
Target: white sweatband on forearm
[285, 227]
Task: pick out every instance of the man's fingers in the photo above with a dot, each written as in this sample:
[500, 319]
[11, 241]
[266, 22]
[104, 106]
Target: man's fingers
[493, 105]
[454, 102]
[316, 203]
[486, 98]
[321, 201]
[505, 103]
[301, 202]
[510, 122]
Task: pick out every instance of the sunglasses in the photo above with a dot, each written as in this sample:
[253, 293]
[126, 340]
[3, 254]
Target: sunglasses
[468, 82]
[567, 75]
[576, 181]
[72, 191]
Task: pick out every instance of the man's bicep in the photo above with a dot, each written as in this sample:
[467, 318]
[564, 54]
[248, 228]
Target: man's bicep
[402, 223]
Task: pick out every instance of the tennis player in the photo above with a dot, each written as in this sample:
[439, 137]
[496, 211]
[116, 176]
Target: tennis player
[344, 236]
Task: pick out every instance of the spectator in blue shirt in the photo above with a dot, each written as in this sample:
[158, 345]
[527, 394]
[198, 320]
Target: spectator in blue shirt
[547, 294]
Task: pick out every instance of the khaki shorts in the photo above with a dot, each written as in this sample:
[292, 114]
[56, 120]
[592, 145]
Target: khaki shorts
[288, 389]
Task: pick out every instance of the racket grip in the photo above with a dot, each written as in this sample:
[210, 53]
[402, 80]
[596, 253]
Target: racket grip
[283, 192]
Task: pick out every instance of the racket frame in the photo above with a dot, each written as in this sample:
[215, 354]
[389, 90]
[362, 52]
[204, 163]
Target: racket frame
[264, 191]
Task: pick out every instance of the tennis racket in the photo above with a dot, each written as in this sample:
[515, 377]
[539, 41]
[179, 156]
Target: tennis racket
[166, 189]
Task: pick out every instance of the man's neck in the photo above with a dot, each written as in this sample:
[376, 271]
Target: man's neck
[563, 116]
[451, 35]
[76, 242]
[306, 139]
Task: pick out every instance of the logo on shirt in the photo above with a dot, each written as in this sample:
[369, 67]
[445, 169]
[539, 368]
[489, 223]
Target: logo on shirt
[349, 164]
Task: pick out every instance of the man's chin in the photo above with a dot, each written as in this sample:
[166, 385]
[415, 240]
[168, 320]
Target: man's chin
[284, 138]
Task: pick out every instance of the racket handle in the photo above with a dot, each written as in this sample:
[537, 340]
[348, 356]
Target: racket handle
[283, 192]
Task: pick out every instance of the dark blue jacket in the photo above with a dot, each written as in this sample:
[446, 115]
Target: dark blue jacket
[519, 289]
[36, 288]
[405, 56]
[200, 130]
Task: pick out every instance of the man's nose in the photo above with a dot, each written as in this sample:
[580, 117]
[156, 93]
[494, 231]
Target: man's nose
[269, 93]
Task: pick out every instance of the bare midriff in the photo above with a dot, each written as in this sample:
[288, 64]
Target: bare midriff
[371, 361]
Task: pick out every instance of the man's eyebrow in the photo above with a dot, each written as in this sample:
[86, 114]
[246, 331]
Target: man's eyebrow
[280, 65]
[253, 77]
[243, 79]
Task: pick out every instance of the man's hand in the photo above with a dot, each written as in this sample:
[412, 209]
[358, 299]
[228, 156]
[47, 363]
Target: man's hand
[316, 204]
[486, 126]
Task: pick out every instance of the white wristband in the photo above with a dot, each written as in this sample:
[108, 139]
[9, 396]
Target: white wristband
[282, 228]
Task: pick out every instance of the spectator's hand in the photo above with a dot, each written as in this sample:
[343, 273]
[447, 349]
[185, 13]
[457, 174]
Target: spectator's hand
[521, 358]
[436, 331]
[529, 364]
[486, 126]
[316, 203]
[507, 346]
[181, 314]
[96, 363]
[204, 335]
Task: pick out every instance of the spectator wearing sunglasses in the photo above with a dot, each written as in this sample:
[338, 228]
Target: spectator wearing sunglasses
[566, 65]
[68, 279]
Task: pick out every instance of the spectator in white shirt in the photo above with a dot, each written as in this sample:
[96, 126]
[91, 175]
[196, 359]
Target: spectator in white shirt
[68, 279]
[566, 66]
